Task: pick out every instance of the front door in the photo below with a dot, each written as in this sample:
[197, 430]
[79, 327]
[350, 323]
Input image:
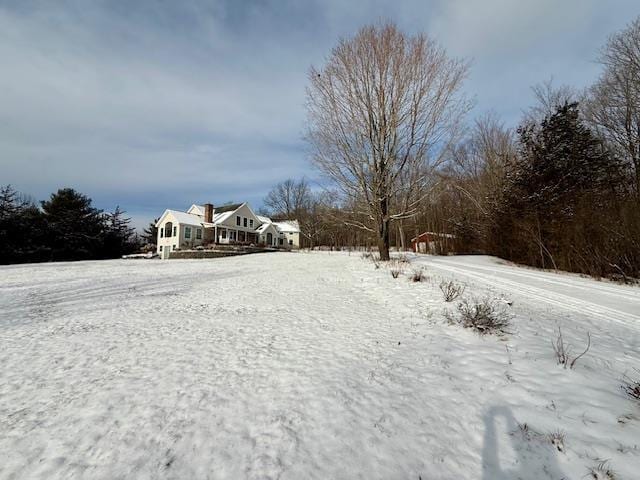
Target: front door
[269, 239]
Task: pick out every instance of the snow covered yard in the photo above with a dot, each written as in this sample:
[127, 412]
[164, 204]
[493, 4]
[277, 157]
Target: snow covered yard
[309, 366]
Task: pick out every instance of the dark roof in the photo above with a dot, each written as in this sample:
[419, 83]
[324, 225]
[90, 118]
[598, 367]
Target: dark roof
[228, 208]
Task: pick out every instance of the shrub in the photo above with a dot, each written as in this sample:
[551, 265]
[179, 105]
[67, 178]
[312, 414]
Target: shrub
[485, 316]
[557, 439]
[418, 275]
[451, 290]
[563, 351]
[602, 471]
[632, 388]
[396, 267]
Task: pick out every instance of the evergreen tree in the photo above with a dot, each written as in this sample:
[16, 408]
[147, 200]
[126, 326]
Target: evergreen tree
[556, 194]
[22, 229]
[118, 235]
[150, 234]
[75, 227]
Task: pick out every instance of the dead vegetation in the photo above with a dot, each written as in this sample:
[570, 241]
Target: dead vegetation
[632, 388]
[602, 471]
[418, 275]
[397, 266]
[562, 351]
[485, 316]
[451, 290]
[556, 439]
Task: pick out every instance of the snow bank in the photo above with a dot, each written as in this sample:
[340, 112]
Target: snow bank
[302, 366]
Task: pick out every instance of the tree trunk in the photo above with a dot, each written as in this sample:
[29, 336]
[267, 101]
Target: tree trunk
[402, 236]
[383, 230]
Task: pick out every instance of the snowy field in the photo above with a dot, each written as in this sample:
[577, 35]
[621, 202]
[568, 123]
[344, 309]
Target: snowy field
[301, 365]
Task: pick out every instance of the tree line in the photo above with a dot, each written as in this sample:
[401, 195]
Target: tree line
[387, 130]
[64, 227]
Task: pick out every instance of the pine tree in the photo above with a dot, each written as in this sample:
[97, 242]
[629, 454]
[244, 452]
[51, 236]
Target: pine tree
[8, 202]
[118, 234]
[555, 195]
[75, 227]
[22, 229]
[150, 234]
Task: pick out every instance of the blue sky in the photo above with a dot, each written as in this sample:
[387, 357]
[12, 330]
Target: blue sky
[160, 104]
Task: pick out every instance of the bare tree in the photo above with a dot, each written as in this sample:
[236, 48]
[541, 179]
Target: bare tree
[548, 98]
[614, 106]
[379, 110]
[288, 199]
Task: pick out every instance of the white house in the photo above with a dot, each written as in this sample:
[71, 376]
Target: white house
[229, 224]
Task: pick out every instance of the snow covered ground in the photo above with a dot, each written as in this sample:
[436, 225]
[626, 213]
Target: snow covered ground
[306, 365]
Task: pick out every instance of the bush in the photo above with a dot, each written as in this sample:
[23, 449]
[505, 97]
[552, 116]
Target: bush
[451, 290]
[602, 471]
[485, 316]
[557, 440]
[418, 275]
[632, 388]
[396, 266]
[563, 351]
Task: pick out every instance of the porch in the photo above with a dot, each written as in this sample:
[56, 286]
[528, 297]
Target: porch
[229, 236]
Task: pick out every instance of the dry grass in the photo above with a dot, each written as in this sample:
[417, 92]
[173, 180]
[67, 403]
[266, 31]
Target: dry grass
[562, 351]
[451, 290]
[485, 316]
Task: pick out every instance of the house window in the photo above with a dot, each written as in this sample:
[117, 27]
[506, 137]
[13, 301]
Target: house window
[290, 242]
[224, 234]
[238, 220]
[198, 234]
[162, 233]
[187, 233]
[251, 223]
[245, 221]
[175, 231]
[173, 247]
[167, 229]
[160, 247]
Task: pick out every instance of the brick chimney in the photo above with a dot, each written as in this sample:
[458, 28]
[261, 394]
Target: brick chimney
[208, 213]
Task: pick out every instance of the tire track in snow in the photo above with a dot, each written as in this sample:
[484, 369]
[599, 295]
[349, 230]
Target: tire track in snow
[547, 277]
[564, 301]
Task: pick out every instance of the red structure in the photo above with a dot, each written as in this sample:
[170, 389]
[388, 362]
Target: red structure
[432, 242]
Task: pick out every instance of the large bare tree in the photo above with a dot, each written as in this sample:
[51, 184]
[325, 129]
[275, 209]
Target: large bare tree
[614, 104]
[379, 110]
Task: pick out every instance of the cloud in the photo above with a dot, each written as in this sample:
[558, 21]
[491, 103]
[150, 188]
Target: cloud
[160, 104]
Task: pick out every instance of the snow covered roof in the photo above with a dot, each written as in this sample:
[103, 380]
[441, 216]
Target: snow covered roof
[434, 234]
[221, 217]
[195, 215]
[182, 217]
[231, 207]
[196, 209]
[263, 227]
[288, 226]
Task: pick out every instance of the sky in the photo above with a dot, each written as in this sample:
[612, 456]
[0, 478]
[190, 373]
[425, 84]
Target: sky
[160, 104]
